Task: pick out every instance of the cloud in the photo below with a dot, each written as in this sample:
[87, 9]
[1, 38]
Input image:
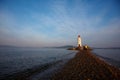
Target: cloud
[64, 23]
[61, 24]
[106, 36]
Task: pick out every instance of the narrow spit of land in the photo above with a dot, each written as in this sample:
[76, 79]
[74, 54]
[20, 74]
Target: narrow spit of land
[87, 66]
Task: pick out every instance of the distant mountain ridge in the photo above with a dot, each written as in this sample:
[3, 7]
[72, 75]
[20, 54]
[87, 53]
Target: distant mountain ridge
[67, 46]
[107, 48]
[8, 46]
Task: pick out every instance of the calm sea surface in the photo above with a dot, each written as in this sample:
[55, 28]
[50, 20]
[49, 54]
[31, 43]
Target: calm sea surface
[112, 56]
[17, 59]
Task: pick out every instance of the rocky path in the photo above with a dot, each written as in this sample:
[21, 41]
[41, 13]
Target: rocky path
[86, 66]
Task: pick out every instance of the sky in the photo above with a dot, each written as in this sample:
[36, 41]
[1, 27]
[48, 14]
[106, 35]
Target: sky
[48, 23]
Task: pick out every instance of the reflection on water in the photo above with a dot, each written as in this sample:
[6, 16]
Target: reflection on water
[112, 56]
[17, 59]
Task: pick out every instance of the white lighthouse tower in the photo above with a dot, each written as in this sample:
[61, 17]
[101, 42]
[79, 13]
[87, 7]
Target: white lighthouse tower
[79, 42]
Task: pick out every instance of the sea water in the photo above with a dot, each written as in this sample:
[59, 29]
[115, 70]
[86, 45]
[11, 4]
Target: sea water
[111, 56]
[14, 60]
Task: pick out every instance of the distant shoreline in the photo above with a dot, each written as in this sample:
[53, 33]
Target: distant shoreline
[106, 48]
[68, 46]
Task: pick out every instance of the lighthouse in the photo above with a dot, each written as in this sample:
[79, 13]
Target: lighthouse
[79, 42]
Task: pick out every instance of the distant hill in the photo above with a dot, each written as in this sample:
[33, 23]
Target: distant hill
[8, 46]
[67, 46]
[107, 48]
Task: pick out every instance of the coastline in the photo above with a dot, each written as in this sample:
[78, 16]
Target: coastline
[87, 66]
[83, 66]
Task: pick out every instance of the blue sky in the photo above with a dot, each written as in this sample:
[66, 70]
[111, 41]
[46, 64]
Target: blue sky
[41, 23]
